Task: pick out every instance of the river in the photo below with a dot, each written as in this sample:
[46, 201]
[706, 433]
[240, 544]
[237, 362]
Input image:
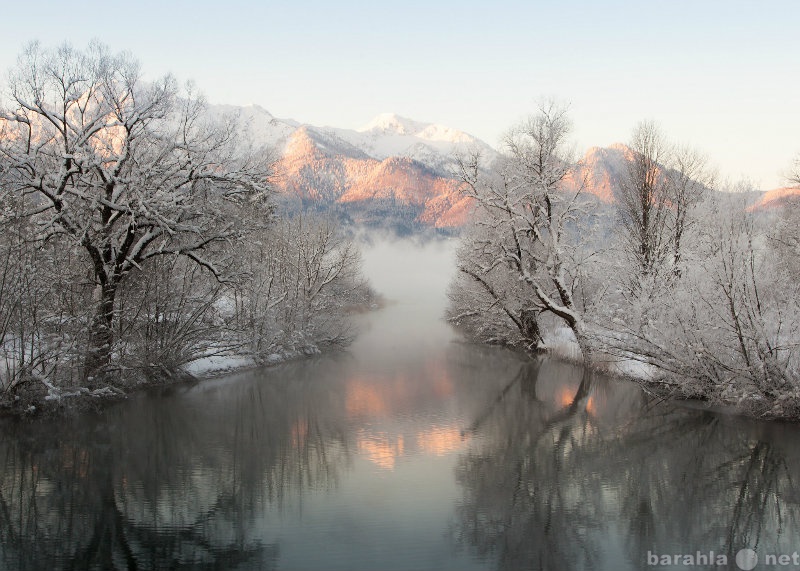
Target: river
[411, 450]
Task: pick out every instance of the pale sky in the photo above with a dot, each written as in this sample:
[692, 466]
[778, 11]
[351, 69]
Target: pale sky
[723, 76]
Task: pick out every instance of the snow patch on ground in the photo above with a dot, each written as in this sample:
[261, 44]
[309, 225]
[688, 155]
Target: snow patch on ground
[218, 364]
[635, 369]
[561, 343]
[215, 365]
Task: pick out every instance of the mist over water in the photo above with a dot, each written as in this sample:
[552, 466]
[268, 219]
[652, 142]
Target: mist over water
[413, 279]
[411, 450]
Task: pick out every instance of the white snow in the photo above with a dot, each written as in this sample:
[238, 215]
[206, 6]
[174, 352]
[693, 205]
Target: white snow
[218, 364]
[636, 369]
[561, 343]
[391, 122]
[258, 123]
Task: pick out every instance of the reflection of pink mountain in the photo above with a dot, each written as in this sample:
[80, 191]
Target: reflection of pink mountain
[375, 397]
[440, 440]
[371, 399]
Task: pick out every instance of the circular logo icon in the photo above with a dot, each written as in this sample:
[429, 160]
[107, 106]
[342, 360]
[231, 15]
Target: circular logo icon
[746, 559]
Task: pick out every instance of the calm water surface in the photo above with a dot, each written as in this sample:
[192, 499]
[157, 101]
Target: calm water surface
[413, 450]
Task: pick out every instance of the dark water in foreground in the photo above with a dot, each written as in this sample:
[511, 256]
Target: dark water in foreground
[411, 451]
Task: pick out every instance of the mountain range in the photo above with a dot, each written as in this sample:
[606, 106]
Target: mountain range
[401, 169]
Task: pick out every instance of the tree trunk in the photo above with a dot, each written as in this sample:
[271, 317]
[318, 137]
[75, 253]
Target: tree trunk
[530, 329]
[584, 392]
[101, 333]
[583, 341]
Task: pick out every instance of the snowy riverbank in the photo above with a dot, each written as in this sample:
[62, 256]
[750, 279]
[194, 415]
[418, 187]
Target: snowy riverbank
[45, 399]
[561, 344]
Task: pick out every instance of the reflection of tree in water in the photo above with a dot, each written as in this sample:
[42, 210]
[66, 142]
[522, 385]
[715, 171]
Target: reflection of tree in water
[59, 512]
[704, 481]
[596, 482]
[166, 483]
[507, 496]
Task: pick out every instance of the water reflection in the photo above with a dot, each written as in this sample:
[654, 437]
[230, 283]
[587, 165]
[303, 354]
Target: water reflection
[66, 503]
[583, 473]
[410, 451]
[554, 469]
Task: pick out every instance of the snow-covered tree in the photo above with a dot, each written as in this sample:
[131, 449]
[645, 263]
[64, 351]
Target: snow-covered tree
[123, 169]
[728, 329]
[644, 205]
[656, 206]
[524, 254]
[300, 278]
[690, 179]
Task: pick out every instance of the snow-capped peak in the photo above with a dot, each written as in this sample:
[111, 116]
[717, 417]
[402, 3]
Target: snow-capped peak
[257, 109]
[257, 123]
[393, 123]
[441, 133]
[387, 135]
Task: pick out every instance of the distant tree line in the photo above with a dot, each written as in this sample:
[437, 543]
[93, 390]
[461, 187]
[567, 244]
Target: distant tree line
[677, 280]
[139, 234]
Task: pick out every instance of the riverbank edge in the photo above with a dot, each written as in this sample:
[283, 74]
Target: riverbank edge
[661, 385]
[48, 401]
[82, 400]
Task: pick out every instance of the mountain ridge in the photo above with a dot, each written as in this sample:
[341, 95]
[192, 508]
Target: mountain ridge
[408, 166]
